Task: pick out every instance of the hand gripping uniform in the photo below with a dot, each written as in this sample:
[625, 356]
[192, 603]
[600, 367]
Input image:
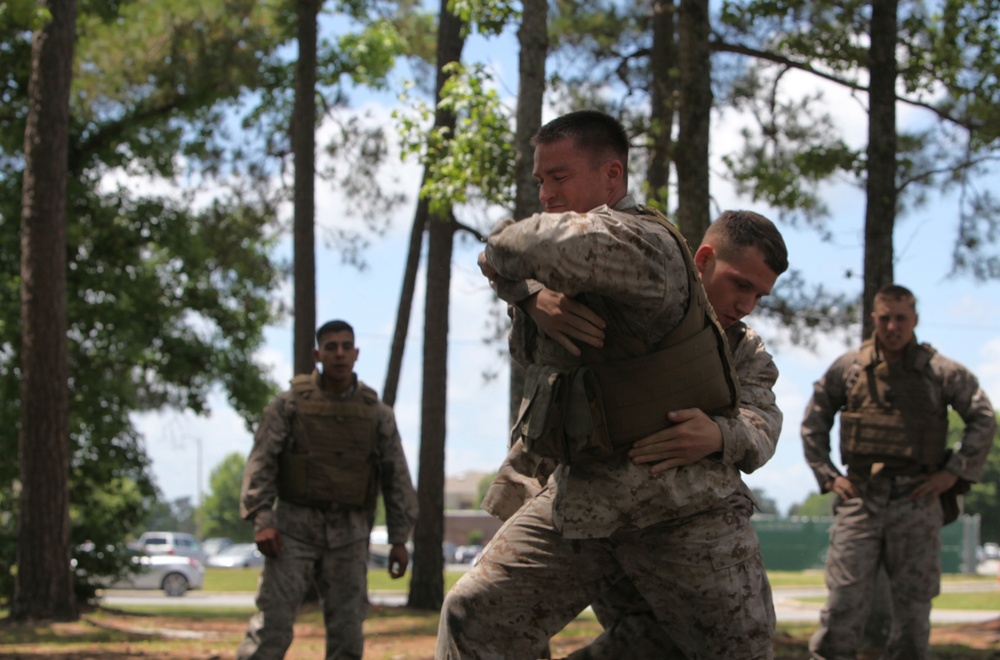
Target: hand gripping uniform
[894, 423]
[314, 474]
[683, 535]
[749, 441]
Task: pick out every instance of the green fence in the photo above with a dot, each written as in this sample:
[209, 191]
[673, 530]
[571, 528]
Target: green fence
[799, 543]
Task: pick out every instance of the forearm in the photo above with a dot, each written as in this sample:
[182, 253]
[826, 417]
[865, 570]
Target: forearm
[572, 253]
[395, 483]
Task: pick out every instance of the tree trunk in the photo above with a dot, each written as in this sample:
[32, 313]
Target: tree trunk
[663, 89]
[695, 83]
[427, 584]
[533, 39]
[304, 151]
[880, 214]
[405, 302]
[880, 217]
[43, 585]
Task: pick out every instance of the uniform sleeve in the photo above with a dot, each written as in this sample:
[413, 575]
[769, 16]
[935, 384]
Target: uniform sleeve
[513, 292]
[521, 477]
[749, 439]
[260, 476]
[829, 396]
[397, 488]
[961, 391]
[590, 252]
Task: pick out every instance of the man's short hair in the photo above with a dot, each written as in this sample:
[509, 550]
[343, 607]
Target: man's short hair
[896, 292]
[594, 131]
[333, 326]
[734, 231]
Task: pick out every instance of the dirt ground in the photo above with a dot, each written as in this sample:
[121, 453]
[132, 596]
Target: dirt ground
[398, 634]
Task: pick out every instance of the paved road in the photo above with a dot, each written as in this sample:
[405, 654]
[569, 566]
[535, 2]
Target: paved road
[787, 604]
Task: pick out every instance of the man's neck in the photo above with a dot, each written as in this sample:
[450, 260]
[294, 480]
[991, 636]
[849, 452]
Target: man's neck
[336, 388]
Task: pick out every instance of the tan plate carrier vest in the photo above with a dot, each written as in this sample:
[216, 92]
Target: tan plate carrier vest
[889, 416]
[622, 393]
[331, 457]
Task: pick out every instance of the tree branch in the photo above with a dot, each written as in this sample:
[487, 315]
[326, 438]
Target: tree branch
[720, 46]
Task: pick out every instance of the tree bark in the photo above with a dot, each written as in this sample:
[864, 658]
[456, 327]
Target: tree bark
[43, 586]
[304, 223]
[695, 111]
[880, 219]
[533, 39]
[881, 188]
[427, 584]
[663, 88]
[405, 308]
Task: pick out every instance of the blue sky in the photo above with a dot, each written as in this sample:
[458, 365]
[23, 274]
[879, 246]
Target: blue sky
[958, 316]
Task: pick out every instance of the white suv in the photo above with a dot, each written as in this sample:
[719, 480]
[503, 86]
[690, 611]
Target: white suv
[171, 543]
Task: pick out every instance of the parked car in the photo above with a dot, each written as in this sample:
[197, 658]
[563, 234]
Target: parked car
[171, 543]
[175, 574]
[240, 555]
[467, 554]
[216, 544]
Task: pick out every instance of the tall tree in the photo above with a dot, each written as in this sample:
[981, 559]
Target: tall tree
[695, 112]
[427, 584]
[662, 102]
[43, 587]
[533, 40]
[881, 189]
[303, 130]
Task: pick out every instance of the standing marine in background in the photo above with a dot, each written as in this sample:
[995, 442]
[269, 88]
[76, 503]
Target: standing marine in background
[893, 396]
[323, 451]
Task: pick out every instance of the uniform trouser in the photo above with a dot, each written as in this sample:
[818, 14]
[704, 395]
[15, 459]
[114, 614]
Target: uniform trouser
[341, 577]
[702, 576]
[882, 526]
[630, 628]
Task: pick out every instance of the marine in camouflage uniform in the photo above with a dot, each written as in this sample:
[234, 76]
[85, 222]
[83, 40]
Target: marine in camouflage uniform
[894, 396]
[323, 538]
[683, 536]
[739, 260]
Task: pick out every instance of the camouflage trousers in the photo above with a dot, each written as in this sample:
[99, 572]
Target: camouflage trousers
[630, 628]
[883, 526]
[341, 577]
[702, 577]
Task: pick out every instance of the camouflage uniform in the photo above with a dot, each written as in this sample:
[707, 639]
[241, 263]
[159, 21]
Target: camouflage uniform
[630, 628]
[682, 536]
[327, 544]
[884, 526]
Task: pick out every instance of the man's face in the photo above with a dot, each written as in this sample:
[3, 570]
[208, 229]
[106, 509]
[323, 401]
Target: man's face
[337, 354]
[734, 287]
[568, 180]
[894, 323]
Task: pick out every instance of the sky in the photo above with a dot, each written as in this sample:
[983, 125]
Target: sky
[958, 315]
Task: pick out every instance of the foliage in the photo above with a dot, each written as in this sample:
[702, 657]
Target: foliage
[220, 511]
[814, 506]
[482, 487]
[984, 497]
[178, 141]
[948, 75]
[765, 504]
[174, 516]
[477, 158]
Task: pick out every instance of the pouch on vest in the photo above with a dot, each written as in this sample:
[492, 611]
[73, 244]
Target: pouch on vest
[561, 416]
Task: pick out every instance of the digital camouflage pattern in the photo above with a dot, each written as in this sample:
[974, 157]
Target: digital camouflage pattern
[684, 535]
[330, 543]
[884, 524]
[749, 441]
